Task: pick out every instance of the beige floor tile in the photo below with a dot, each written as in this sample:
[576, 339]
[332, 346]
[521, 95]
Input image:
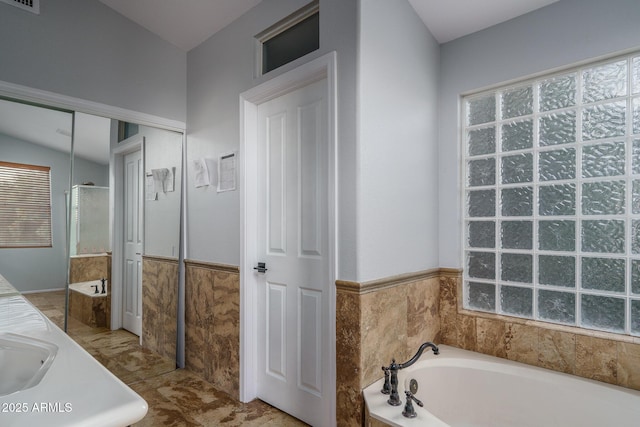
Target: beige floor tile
[176, 397]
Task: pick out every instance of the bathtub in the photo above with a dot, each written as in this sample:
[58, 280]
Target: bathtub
[86, 289]
[88, 307]
[465, 389]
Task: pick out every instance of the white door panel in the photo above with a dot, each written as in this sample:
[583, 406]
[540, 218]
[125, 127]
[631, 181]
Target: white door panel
[293, 242]
[276, 326]
[132, 280]
[310, 345]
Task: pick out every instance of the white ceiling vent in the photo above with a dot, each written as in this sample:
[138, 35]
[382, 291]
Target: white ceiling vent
[32, 6]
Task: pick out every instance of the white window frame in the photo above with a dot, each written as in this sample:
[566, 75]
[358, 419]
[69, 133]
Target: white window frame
[278, 28]
[632, 102]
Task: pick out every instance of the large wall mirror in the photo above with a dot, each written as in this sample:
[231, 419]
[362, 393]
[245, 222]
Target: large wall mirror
[114, 261]
[31, 137]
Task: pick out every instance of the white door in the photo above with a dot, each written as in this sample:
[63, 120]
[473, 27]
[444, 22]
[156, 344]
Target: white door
[293, 318]
[132, 272]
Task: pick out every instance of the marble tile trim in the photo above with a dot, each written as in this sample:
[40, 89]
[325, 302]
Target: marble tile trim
[160, 258]
[361, 288]
[212, 266]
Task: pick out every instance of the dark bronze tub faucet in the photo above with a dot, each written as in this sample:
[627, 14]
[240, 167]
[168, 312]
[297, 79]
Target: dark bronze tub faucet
[391, 373]
[409, 412]
[386, 388]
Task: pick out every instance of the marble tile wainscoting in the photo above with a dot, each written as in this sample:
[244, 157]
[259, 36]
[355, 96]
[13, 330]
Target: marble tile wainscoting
[375, 322]
[84, 268]
[160, 276]
[601, 356]
[212, 324]
[390, 318]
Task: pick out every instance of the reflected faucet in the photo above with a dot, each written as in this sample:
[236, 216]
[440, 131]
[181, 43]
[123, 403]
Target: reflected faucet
[391, 388]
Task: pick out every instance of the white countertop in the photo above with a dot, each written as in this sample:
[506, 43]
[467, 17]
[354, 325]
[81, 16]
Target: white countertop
[76, 390]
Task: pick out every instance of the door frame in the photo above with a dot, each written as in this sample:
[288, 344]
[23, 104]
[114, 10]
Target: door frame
[118, 154]
[324, 67]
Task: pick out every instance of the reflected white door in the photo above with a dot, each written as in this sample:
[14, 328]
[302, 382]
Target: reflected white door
[132, 272]
[293, 328]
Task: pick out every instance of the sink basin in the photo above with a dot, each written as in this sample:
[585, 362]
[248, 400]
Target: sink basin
[23, 362]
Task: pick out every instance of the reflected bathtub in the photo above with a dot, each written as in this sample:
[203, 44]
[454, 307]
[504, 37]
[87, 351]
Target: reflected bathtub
[462, 388]
[86, 288]
[87, 306]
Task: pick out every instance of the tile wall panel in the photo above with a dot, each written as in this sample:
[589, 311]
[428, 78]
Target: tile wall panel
[380, 330]
[160, 305]
[212, 324]
[376, 322]
[601, 356]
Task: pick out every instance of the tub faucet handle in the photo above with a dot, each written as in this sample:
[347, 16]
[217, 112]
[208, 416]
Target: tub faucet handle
[394, 398]
[386, 388]
[409, 411]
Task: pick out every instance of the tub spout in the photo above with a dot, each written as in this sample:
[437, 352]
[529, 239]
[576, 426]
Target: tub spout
[416, 356]
[392, 386]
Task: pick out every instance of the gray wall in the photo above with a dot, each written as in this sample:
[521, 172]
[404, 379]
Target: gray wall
[162, 149]
[397, 151]
[219, 70]
[45, 268]
[88, 171]
[387, 133]
[556, 36]
[83, 49]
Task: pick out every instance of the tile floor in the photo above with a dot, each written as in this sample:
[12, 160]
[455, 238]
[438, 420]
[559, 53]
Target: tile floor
[176, 397]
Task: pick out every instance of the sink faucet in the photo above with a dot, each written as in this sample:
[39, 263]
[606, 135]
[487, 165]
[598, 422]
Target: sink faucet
[392, 387]
[103, 280]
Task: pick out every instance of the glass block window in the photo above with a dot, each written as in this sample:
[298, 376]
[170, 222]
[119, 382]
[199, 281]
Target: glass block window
[552, 198]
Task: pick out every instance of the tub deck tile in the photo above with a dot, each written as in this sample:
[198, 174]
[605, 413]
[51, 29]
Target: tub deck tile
[557, 350]
[596, 359]
[629, 365]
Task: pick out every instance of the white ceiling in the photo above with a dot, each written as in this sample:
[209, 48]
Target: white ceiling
[52, 129]
[187, 23]
[450, 19]
[184, 23]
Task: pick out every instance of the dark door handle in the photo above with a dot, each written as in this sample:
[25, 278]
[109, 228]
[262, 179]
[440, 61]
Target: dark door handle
[262, 267]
